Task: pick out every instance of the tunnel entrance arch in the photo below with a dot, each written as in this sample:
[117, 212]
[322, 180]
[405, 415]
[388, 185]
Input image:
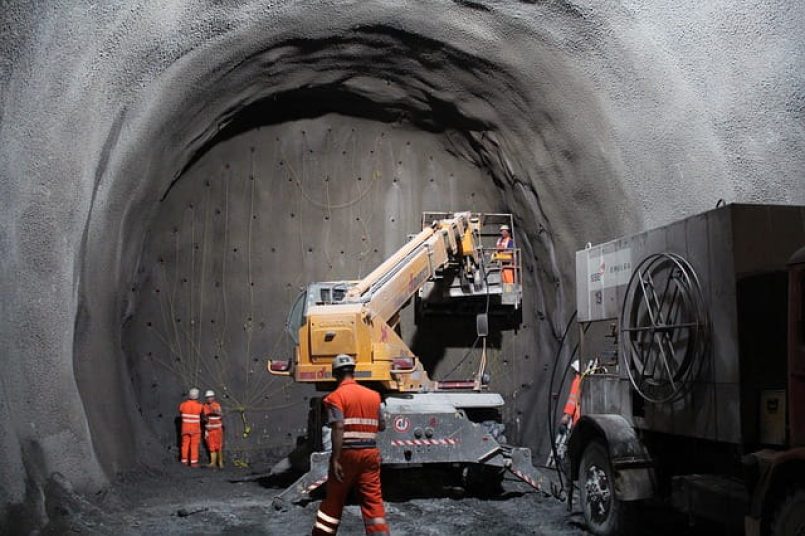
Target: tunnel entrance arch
[475, 106]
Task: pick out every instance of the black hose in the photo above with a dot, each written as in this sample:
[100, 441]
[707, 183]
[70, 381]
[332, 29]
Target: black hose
[553, 413]
[550, 397]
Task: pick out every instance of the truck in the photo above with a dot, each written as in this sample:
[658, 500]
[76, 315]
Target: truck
[693, 336]
[450, 265]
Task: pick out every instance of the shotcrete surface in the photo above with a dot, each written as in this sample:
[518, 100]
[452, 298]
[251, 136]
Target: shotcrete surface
[252, 222]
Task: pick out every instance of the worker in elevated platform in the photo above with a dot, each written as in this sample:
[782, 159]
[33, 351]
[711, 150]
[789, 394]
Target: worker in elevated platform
[190, 413]
[504, 253]
[214, 430]
[354, 414]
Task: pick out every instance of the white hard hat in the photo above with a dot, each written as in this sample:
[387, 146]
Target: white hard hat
[193, 393]
[343, 360]
[575, 366]
[505, 228]
[209, 393]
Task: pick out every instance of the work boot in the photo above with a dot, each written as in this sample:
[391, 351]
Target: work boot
[213, 459]
[220, 457]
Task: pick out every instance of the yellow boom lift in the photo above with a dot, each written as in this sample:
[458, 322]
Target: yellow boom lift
[453, 423]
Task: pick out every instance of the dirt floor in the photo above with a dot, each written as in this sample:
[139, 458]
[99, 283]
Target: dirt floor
[178, 500]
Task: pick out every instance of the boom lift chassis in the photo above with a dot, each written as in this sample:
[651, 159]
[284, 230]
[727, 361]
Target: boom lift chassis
[433, 428]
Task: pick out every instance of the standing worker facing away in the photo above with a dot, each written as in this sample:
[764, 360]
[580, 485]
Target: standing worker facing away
[190, 412]
[214, 430]
[355, 418]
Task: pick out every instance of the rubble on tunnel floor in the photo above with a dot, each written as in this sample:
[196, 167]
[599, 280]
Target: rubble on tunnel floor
[177, 501]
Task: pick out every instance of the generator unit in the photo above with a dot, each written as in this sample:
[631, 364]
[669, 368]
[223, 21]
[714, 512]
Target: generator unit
[695, 350]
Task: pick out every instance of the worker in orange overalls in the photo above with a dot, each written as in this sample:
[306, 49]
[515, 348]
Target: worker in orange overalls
[572, 411]
[505, 255]
[355, 418]
[214, 430]
[190, 412]
[570, 416]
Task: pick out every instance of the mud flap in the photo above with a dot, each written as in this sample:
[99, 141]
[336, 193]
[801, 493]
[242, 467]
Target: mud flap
[519, 463]
[300, 490]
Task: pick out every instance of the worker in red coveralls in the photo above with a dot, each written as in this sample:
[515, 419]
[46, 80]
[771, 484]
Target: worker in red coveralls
[505, 255]
[570, 416]
[214, 430]
[355, 417]
[572, 411]
[190, 412]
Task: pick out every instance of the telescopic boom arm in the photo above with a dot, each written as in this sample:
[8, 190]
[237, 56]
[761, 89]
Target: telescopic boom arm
[361, 318]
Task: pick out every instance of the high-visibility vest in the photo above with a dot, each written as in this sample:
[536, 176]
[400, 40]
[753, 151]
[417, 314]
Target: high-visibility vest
[214, 416]
[504, 249]
[190, 411]
[573, 405]
[359, 408]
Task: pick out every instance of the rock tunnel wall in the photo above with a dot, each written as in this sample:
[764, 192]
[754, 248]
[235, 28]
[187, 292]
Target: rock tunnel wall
[589, 120]
[251, 223]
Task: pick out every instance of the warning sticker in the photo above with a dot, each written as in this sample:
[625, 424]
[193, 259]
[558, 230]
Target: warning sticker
[401, 424]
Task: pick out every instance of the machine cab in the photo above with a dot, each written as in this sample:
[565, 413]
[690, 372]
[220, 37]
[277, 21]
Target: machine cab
[323, 293]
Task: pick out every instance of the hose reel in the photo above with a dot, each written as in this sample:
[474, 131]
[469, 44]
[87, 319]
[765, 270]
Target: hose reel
[665, 328]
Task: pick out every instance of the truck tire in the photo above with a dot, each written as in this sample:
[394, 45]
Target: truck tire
[789, 519]
[604, 513]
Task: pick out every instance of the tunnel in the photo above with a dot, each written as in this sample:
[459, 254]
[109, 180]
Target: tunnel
[174, 172]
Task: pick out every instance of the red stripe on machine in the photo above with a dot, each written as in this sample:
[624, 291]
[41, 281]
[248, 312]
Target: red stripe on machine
[528, 480]
[316, 484]
[423, 442]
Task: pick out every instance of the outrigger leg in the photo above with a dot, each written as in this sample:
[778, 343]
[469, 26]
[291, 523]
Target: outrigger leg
[519, 463]
[300, 490]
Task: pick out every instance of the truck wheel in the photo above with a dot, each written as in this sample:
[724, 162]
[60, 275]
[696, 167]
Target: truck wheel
[604, 513]
[789, 519]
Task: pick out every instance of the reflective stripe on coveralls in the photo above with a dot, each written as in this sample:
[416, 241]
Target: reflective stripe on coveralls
[326, 523]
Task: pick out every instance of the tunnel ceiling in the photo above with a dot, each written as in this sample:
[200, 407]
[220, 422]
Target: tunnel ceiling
[589, 120]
